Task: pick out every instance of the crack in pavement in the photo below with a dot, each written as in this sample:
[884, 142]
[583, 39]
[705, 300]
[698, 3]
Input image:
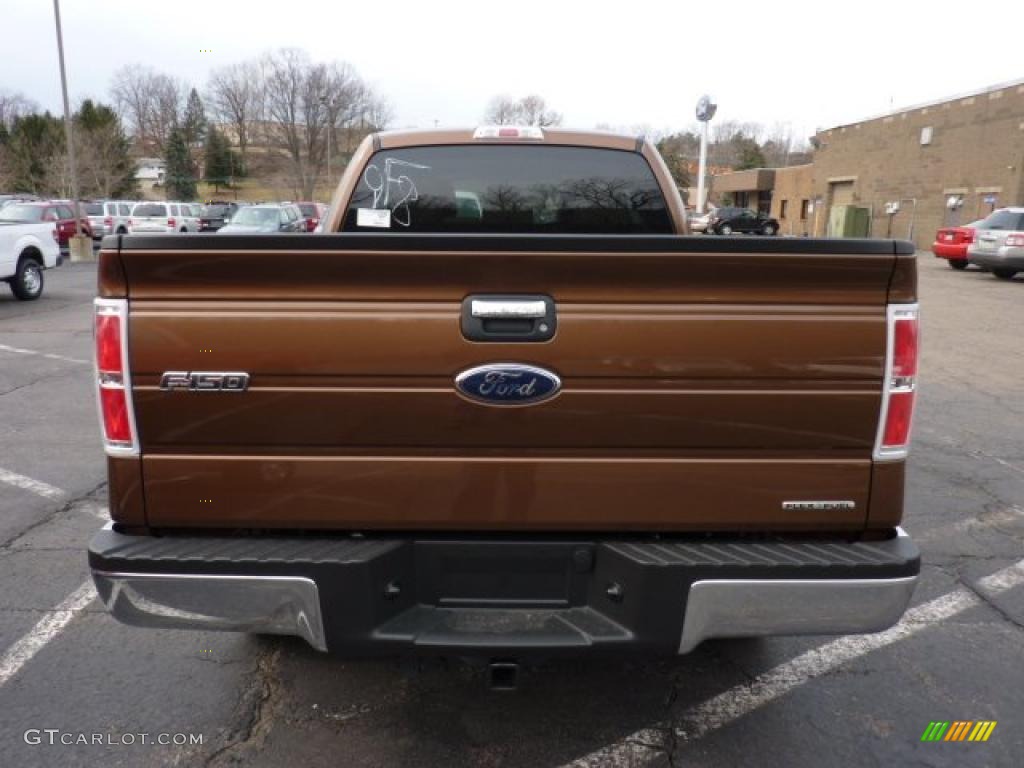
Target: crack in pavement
[6, 546]
[255, 710]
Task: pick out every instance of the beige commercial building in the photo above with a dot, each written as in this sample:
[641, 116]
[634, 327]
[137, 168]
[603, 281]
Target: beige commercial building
[915, 170]
[903, 174]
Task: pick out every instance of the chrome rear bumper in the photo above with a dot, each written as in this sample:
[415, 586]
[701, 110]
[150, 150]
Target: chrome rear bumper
[466, 596]
[275, 605]
[758, 608]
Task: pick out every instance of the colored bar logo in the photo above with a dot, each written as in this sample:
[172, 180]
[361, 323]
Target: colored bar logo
[958, 730]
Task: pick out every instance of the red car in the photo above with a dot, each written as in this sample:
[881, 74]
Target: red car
[952, 243]
[312, 213]
[61, 213]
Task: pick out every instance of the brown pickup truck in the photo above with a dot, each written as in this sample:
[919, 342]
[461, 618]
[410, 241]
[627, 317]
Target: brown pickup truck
[506, 406]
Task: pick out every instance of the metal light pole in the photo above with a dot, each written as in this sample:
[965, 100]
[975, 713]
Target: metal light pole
[330, 121]
[705, 111]
[68, 133]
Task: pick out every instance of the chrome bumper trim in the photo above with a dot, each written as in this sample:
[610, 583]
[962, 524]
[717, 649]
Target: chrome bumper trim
[757, 607]
[276, 605]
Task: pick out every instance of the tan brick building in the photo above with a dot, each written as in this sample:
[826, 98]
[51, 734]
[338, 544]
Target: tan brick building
[949, 162]
[942, 163]
[791, 200]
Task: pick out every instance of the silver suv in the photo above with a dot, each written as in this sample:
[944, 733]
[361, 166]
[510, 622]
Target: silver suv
[999, 243]
[108, 217]
[166, 217]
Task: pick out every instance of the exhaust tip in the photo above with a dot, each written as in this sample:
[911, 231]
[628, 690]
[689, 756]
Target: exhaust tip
[503, 675]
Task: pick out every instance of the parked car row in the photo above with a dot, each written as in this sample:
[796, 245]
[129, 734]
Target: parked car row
[995, 244]
[59, 212]
[124, 217]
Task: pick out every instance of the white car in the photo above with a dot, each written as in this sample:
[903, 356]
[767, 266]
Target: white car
[151, 218]
[26, 250]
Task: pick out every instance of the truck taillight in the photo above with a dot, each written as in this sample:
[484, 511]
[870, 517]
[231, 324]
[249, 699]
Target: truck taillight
[113, 384]
[899, 387]
[171, 223]
[108, 222]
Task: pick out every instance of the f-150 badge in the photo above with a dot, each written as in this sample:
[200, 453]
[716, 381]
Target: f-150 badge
[508, 384]
[205, 381]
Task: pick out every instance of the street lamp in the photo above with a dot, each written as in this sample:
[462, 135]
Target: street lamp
[330, 124]
[705, 111]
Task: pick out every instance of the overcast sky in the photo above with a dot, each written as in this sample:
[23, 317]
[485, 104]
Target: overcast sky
[623, 64]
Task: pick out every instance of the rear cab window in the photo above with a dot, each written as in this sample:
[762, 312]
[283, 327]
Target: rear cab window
[506, 188]
[149, 210]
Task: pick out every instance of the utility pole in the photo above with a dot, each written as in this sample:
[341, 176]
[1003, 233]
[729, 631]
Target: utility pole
[68, 132]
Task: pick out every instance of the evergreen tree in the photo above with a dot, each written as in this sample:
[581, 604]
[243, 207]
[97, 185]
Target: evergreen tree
[193, 124]
[105, 167]
[32, 152]
[221, 162]
[180, 178]
[750, 155]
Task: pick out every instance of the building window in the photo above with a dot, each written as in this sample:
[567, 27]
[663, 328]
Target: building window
[926, 135]
[804, 207]
[782, 208]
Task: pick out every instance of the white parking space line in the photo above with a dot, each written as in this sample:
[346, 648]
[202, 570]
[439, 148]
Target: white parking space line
[999, 517]
[743, 699]
[47, 355]
[28, 484]
[44, 631]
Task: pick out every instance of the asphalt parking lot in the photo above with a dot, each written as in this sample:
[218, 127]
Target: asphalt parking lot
[958, 655]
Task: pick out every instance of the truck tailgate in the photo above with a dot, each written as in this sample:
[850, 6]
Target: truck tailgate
[704, 382]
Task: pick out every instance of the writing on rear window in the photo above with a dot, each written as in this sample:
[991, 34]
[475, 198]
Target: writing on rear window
[510, 189]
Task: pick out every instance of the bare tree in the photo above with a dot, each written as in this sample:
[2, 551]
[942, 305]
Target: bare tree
[235, 96]
[13, 105]
[150, 102]
[529, 110]
[304, 100]
[501, 111]
[533, 110]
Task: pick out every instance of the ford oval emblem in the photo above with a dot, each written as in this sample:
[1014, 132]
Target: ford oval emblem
[508, 384]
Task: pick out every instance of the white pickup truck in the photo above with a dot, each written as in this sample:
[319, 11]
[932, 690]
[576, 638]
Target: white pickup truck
[25, 251]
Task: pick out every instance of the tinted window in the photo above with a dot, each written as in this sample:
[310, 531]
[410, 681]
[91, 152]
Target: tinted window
[510, 188]
[308, 209]
[214, 211]
[293, 213]
[92, 209]
[149, 209]
[1003, 220]
[124, 209]
[64, 212]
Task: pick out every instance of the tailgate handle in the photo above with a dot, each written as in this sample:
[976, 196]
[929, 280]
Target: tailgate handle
[508, 318]
[509, 308]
